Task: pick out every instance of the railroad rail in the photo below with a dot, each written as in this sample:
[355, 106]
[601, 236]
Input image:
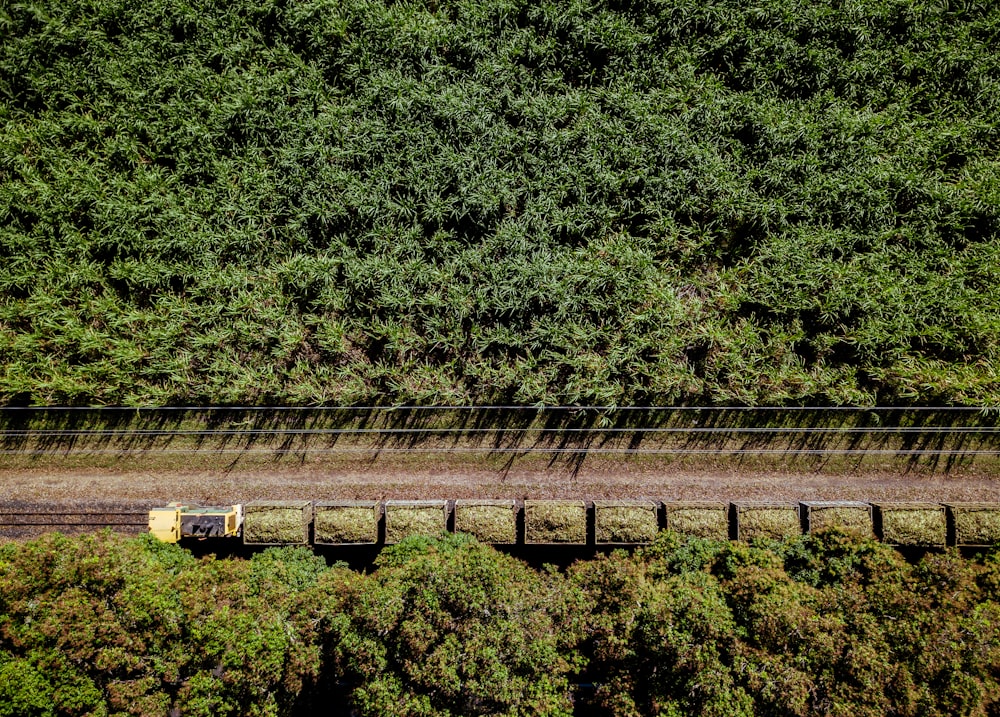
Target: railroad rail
[19, 519]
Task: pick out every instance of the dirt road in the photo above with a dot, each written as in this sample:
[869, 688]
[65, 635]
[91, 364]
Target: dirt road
[131, 479]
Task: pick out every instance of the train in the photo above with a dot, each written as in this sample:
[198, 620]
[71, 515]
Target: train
[572, 522]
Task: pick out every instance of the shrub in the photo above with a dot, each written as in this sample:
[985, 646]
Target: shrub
[114, 625]
[816, 625]
[660, 644]
[451, 627]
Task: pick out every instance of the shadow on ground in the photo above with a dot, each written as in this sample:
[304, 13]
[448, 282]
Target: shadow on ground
[937, 439]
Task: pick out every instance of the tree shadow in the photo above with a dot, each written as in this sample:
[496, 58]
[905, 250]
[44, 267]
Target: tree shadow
[910, 439]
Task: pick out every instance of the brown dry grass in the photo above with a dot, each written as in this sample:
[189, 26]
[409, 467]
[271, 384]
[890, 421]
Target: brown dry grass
[490, 521]
[913, 524]
[354, 522]
[767, 521]
[405, 519]
[625, 521]
[853, 519]
[976, 524]
[555, 521]
[279, 523]
[702, 520]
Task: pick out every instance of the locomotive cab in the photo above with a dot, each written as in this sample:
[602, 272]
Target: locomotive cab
[178, 521]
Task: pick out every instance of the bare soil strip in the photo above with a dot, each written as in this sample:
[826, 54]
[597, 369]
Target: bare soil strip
[445, 477]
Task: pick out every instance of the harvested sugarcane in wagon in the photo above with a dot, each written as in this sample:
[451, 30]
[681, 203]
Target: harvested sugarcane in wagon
[625, 522]
[346, 522]
[976, 524]
[555, 521]
[277, 522]
[404, 518]
[768, 521]
[850, 517]
[490, 521]
[699, 520]
[913, 524]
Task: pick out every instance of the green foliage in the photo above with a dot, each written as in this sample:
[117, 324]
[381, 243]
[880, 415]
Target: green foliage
[661, 642]
[288, 569]
[450, 627]
[813, 626]
[114, 626]
[817, 625]
[314, 202]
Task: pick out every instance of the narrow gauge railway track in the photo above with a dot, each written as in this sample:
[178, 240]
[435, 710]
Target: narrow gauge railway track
[529, 525]
[22, 519]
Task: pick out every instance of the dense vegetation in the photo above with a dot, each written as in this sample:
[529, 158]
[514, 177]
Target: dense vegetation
[817, 626]
[596, 201]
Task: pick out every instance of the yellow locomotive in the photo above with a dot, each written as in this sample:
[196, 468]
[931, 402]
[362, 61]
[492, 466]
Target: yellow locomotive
[177, 521]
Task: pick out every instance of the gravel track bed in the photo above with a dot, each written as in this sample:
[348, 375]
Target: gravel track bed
[89, 486]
